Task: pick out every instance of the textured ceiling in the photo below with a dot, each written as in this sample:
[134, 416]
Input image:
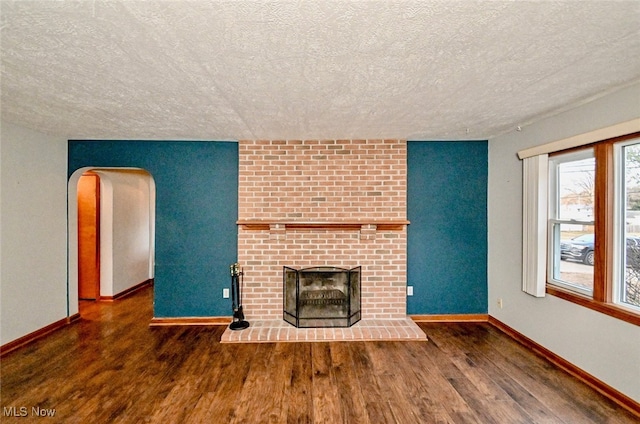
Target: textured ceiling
[308, 69]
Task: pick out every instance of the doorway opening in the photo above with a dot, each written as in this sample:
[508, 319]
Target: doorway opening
[111, 233]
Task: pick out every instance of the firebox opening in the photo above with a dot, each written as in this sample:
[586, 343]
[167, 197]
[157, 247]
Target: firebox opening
[322, 297]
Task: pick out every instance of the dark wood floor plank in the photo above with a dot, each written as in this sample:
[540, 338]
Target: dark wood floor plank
[263, 391]
[112, 367]
[326, 406]
[572, 393]
[220, 399]
[351, 400]
[478, 385]
[298, 407]
[502, 355]
[479, 350]
[437, 387]
[554, 389]
[403, 392]
[478, 393]
[374, 396]
[418, 383]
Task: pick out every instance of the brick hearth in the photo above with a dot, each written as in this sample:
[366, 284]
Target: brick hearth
[366, 330]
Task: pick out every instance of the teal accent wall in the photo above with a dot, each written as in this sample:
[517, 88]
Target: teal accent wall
[447, 237]
[196, 213]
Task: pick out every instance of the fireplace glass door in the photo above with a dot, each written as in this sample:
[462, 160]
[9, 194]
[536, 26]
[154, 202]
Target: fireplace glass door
[322, 297]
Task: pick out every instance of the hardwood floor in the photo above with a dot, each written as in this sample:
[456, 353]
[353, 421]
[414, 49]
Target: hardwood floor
[112, 367]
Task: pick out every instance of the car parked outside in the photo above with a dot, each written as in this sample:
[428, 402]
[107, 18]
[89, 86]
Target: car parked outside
[579, 248]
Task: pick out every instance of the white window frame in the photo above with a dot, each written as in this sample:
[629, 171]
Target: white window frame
[553, 223]
[619, 235]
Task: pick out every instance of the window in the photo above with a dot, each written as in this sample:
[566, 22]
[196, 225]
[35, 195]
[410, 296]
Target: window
[628, 192]
[594, 226]
[571, 221]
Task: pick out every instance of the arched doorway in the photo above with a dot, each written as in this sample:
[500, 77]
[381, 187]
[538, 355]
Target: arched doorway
[125, 231]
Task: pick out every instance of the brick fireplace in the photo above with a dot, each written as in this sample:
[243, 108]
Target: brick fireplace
[323, 203]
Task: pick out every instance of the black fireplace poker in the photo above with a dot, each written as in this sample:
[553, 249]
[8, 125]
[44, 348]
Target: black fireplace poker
[238, 322]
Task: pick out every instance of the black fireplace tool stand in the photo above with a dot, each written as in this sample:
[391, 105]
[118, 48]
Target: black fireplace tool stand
[238, 322]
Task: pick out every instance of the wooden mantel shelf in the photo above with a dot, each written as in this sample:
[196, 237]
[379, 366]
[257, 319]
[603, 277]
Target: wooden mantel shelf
[380, 225]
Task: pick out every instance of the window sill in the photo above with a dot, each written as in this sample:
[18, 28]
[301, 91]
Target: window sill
[610, 309]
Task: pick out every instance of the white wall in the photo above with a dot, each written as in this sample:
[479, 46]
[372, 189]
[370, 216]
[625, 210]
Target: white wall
[125, 229]
[605, 347]
[33, 231]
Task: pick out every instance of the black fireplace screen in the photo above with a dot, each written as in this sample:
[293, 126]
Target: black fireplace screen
[322, 297]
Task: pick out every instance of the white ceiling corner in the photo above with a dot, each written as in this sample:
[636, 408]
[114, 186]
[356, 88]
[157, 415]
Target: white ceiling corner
[215, 70]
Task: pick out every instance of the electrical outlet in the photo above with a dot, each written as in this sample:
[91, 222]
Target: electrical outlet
[225, 293]
[500, 302]
[409, 290]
